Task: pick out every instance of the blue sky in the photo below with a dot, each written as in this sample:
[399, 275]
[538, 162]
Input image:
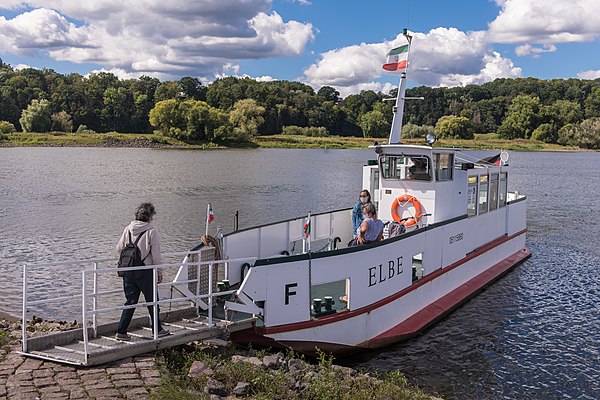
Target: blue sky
[319, 42]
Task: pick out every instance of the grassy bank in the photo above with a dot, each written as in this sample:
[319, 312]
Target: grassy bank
[113, 139]
[196, 373]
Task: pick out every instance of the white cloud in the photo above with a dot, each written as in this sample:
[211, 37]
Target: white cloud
[441, 57]
[527, 49]
[591, 74]
[546, 22]
[168, 38]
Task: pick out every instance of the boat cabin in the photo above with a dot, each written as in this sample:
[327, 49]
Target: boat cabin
[448, 183]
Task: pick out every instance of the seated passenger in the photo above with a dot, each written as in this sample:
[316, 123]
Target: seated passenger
[371, 229]
[357, 217]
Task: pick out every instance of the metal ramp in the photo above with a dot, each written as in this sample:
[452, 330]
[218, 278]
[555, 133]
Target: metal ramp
[195, 291]
[69, 347]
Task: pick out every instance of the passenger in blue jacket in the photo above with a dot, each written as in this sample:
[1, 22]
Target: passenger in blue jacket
[357, 216]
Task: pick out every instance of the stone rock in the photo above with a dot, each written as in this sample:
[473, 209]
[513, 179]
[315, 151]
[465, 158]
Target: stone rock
[250, 360]
[273, 361]
[215, 387]
[298, 386]
[345, 370]
[215, 397]
[199, 368]
[242, 389]
[295, 365]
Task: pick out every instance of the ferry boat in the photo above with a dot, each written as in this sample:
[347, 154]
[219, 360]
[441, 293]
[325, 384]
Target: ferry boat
[462, 229]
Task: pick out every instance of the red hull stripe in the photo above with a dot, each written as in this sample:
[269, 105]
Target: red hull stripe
[353, 313]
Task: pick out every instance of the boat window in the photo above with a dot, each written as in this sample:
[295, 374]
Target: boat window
[493, 191]
[444, 165]
[502, 189]
[472, 197]
[330, 298]
[483, 194]
[407, 167]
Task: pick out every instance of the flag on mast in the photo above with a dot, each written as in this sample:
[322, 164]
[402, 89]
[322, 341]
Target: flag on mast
[397, 59]
[210, 216]
[307, 227]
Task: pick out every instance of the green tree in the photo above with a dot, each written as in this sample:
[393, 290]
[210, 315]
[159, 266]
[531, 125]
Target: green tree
[545, 133]
[453, 127]
[62, 122]
[522, 118]
[567, 112]
[246, 117]
[164, 117]
[36, 117]
[167, 90]
[374, 124]
[328, 94]
[191, 88]
[589, 133]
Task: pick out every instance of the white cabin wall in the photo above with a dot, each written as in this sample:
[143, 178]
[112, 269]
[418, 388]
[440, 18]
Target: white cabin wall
[516, 220]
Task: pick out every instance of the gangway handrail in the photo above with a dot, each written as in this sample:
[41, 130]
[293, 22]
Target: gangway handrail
[94, 296]
[101, 260]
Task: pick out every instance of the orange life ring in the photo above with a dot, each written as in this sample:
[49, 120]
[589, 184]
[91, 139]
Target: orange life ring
[403, 199]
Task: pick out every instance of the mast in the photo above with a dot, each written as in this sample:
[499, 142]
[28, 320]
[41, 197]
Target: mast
[398, 109]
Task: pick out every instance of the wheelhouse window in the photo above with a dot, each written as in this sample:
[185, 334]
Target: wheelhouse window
[472, 197]
[493, 191]
[444, 166]
[483, 194]
[407, 167]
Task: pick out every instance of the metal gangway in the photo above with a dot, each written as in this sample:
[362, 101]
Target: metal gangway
[194, 299]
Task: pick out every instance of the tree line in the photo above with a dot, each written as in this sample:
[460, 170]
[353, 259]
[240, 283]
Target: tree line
[565, 111]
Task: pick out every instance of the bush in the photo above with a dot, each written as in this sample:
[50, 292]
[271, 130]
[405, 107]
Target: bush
[415, 131]
[36, 117]
[6, 128]
[585, 135]
[546, 133]
[305, 131]
[453, 127]
[61, 121]
[84, 129]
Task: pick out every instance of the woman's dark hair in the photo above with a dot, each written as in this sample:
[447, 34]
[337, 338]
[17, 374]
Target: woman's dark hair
[144, 212]
[367, 192]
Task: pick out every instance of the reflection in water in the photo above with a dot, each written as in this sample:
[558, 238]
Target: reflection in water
[533, 334]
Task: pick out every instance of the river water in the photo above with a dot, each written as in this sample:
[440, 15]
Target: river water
[533, 334]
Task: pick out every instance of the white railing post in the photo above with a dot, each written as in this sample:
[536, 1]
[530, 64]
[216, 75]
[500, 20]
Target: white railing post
[24, 316]
[210, 294]
[84, 317]
[154, 299]
[95, 301]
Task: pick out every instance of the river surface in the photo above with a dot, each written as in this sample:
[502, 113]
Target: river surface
[535, 334]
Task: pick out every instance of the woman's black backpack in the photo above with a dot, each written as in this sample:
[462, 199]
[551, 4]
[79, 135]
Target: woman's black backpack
[131, 257]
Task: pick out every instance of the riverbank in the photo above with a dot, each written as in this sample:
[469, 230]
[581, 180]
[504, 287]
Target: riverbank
[113, 139]
[213, 370]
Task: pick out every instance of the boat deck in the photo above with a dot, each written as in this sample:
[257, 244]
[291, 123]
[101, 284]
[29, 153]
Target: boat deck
[68, 347]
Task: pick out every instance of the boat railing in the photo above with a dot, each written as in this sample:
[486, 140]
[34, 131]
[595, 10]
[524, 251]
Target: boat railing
[90, 294]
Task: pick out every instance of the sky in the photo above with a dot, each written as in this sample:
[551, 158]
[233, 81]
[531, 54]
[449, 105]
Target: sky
[339, 43]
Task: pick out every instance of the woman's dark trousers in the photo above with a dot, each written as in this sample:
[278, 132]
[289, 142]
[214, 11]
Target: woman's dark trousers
[132, 288]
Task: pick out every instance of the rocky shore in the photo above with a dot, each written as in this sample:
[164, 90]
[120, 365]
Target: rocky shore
[214, 369]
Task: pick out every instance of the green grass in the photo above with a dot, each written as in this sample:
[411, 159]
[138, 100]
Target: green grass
[322, 380]
[5, 342]
[114, 139]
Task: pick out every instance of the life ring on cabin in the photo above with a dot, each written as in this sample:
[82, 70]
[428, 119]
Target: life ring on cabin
[401, 200]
